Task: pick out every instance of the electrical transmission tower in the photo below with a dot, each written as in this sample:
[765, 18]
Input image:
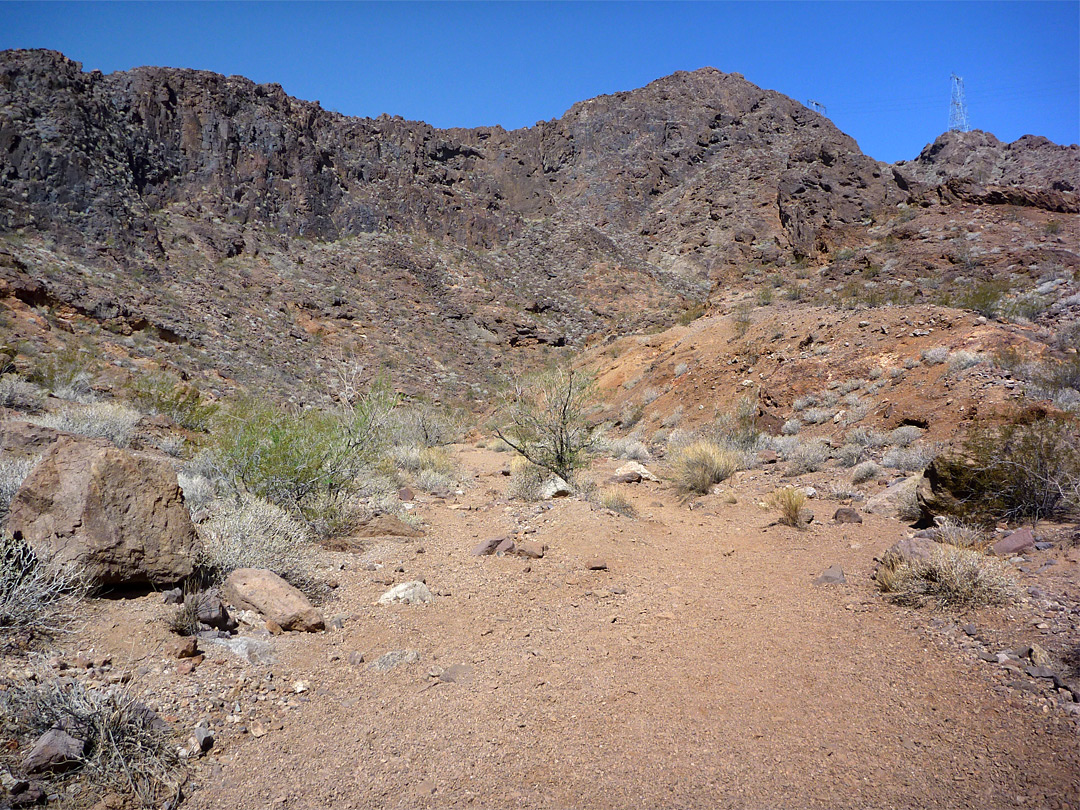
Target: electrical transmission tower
[958, 117]
[816, 106]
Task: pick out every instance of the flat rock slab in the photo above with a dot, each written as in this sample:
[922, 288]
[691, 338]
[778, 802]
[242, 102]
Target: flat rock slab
[637, 469]
[831, 576]
[387, 526]
[252, 650]
[268, 594]
[1014, 543]
[387, 661]
[408, 593]
[486, 547]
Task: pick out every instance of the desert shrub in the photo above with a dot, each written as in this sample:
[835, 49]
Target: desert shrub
[673, 418]
[850, 454]
[129, 750]
[864, 472]
[789, 501]
[67, 373]
[870, 439]
[631, 414]
[962, 360]
[807, 457]
[115, 421]
[433, 481]
[951, 576]
[651, 395]
[935, 356]
[791, 427]
[630, 448]
[875, 373]
[422, 424]
[896, 373]
[736, 428]
[162, 393]
[306, 462]
[848, 386]
[804, 402]
[910, 363]
[19, 394]
[764, 296]
[985, 297]
[546, 419]
[35, 595]
[910, 459]
[700, 464]
[905, 435]
[1053, 375]
[691, 315]
[526, 480]
[1026, 468]
[742, 319]
[13, 472]
[248, 532]
[612, 498]
[856, 411]
[818, 416]
[960, 534]
[840, 492]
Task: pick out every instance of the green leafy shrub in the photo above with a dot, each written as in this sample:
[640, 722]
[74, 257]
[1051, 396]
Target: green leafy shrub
[160, 392]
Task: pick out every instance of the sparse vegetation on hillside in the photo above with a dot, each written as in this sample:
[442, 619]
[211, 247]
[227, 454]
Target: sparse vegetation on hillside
[702, 463]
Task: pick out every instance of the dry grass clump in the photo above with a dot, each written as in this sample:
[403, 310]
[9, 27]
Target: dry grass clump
[114, 421]
[807, 457]
[962, 535]
[35, 595]
[700, 464]
[129, 749]
[628, 447]
[935, 356]
[905, 435]
[19, 394]
[951, 576]
[248, 532]
[790, 502]
[612, 498]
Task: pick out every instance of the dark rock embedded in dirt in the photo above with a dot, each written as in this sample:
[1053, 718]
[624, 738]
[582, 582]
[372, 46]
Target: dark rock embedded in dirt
[55, 751]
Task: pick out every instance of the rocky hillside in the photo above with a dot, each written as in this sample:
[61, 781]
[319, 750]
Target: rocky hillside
[217, 225]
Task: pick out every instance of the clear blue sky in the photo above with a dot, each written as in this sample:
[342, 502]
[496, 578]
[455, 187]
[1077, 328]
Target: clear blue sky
[882, 69]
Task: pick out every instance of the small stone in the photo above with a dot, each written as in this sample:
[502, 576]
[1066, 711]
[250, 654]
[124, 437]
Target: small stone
[173, 597]
[336, 623]
[188, 665]
[274, 627]
[625, 478]
[970, 629]
[831, 576]
[455, 673]
[204, 738]
[257, 728]
[1039, 657]
[507, 546]
[426, 788]
[1040, 672]
[300, 687]
[405, 494]
[810, 492]
[640, 469]
[183, 647]
[1014, 542]
[845, 514]
[596, 564]
[1042, 545]
[531, 549]
[356, 658]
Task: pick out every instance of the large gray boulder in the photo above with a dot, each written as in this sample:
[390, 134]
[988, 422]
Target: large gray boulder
[118, 515]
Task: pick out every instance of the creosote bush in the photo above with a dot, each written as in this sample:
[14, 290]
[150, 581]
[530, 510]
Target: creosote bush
[700, 464]
[951, 576]
[546, 419]
[789, 501]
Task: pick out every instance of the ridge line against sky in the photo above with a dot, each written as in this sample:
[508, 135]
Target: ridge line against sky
[880, 68]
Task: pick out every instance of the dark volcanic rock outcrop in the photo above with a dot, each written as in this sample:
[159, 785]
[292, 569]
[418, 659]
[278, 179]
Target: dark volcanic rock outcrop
[254, 231]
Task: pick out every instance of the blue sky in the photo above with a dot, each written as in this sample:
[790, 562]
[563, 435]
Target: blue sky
[881, 69]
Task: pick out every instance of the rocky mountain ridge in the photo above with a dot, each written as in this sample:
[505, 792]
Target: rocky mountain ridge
[232, 227]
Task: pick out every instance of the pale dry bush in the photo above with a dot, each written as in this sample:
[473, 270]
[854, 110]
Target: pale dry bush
[199, 492]
[935, 356]
[35, 594]
[13, 472]
[864, 472]
[962, 535]
[114, 421]
[910, 459]
[700, 464]
[951, 576]
[129, 749]
[905, 435]
[791, 427]
[19, 394]
[960, 361]
[248, 532]
[807, 457]
[789, 501]
[818, 416]
[672, 419]
[526, 480]
[850, 454]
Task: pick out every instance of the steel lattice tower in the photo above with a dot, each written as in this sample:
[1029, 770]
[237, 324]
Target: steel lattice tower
[958, 117]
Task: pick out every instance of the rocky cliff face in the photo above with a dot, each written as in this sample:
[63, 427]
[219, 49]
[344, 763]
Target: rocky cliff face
[244, 226]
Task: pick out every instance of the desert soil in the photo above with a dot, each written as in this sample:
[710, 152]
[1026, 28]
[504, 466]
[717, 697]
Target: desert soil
[702, 668]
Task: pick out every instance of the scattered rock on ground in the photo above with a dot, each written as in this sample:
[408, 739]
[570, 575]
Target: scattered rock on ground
[54, 752]
[898, 500]
[833, 575]
[636, 467]
[488, 546]
[1014, 542]
[184, 647]
[387, 526]
[387, 661]
[845, 514]
[555, 488]
[264, 591]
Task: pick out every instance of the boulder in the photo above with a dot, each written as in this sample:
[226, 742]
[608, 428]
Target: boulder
[117, 514]
[531, 549]
[640, 469]
[1014, 542]
[845, 514]
[898, 501]
[555, 488]
[949, 486]
[265, 592]
[408, 593]
[909, 549]
[486, 547]
[26, 439]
